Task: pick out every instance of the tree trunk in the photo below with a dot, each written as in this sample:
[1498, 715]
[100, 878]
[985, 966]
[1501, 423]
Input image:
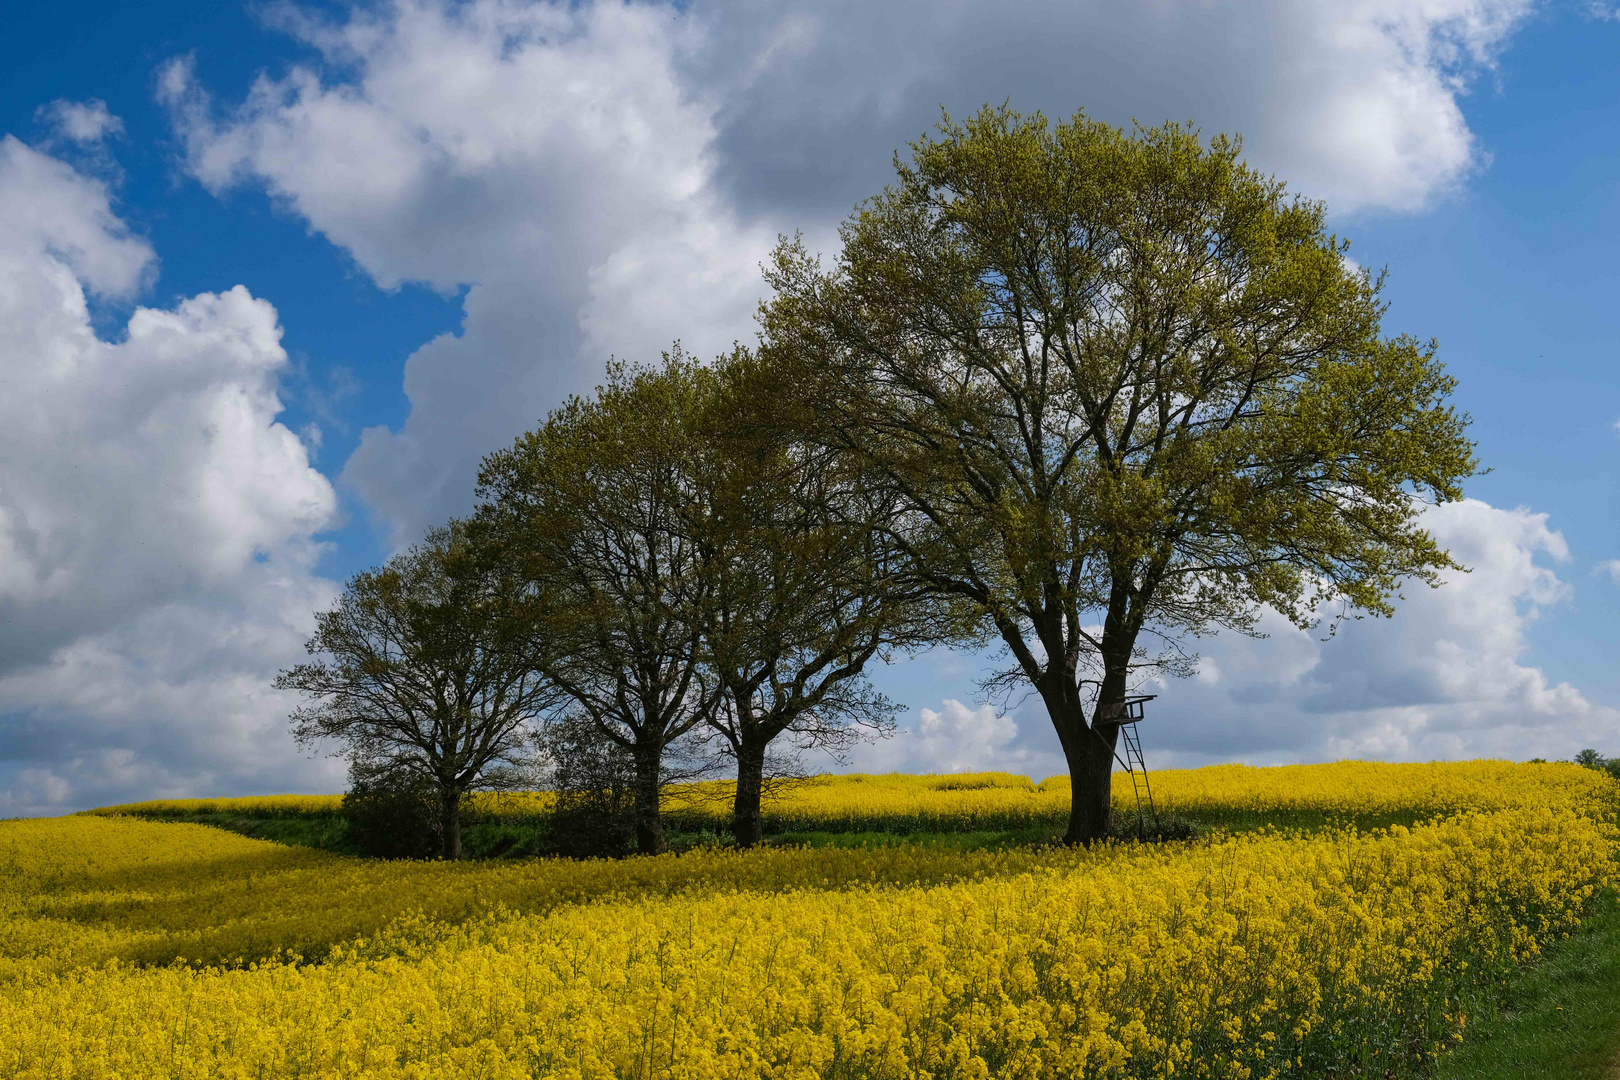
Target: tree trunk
[747, 824]
[1088, 748]
[1089, 751]
[650, 838]
[1091, 779]
[450, 825]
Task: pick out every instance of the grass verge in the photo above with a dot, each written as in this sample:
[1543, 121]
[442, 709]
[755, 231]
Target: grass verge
[317, 831]
[1558, 1017]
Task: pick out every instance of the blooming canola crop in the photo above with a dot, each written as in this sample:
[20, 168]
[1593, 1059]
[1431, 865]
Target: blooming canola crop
[899, 802]
[1260, 954]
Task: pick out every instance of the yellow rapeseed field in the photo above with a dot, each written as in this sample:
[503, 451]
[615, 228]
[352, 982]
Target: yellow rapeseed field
[131, 948]
[243, 806]
[968, 801]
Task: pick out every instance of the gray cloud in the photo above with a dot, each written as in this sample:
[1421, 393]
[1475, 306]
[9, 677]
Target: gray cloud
[1353, 102]
[607, 177]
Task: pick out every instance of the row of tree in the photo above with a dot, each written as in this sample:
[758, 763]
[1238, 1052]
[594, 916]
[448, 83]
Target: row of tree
[1078, 392]
[648, 567]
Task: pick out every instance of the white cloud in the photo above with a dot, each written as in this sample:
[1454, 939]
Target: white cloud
[1353, 101]
[55, 223]
[1446, 678]
[955, 738]
[81, 121]
[1610, 567]
[156, 522]
[606, 177]
[547, 157]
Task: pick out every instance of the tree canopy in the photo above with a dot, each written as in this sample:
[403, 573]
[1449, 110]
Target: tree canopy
[1124, 385]
[594, 509]
[428, 673]
[700, 572]
[806, 585]
[1084, 392]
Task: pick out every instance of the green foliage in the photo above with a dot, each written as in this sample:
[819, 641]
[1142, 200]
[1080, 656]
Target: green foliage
[1119, 380]
[428, 678]
[393, 815]
[804, 587]
[594, 510]
[1594, 760]
[594, 778]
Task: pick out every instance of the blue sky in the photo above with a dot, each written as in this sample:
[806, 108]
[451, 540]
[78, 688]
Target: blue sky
[454, 212]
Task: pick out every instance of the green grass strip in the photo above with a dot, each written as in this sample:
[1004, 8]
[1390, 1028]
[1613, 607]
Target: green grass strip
[1559, 1017]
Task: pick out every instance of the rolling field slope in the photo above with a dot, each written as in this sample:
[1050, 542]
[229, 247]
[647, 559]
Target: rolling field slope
[137, 948]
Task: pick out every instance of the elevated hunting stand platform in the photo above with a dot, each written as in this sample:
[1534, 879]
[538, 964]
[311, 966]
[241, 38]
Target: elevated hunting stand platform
[1127, 714]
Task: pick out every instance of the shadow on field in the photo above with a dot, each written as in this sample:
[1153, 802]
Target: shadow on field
[522, 838]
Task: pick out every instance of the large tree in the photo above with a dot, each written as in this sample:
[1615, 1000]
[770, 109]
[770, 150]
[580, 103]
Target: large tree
[427, 675]
[1129, 390]
[805, 584]
[593, 508]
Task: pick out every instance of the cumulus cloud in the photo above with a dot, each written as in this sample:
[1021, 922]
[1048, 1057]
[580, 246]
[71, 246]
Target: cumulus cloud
[956, 738]
[53, 222]
[1445, 678]
[547, 157]
[603, 178]
[81, 121]
[1354, 102]
[1611, 567]
[156, 522]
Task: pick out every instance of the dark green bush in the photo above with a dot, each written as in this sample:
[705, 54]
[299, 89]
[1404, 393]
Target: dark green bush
[392, 815]
[1594, 760]
[1153, 828]
[592, 776]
